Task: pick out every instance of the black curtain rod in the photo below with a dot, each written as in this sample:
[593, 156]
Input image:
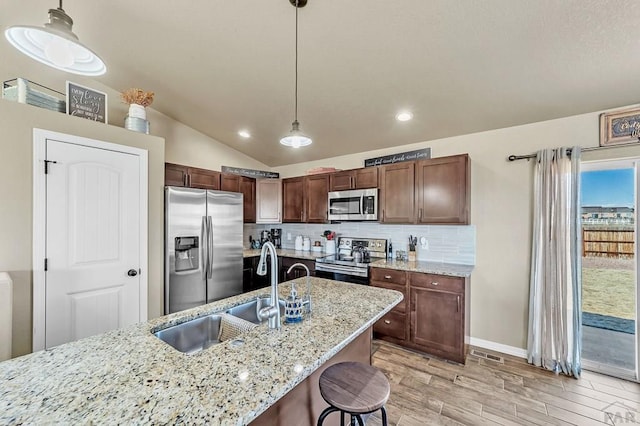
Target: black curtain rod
[593, 148]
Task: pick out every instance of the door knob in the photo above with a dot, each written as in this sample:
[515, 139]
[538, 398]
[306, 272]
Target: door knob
[132, 272]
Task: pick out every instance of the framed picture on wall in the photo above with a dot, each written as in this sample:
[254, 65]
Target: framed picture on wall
[620, 127]
[86, 102]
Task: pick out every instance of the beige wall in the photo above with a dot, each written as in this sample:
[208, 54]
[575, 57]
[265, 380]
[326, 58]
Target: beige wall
[181, 144]
[16, 151]
[501, 210]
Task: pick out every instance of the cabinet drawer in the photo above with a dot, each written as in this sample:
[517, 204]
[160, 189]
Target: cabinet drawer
[389, 276]
[393, 324]
[437, 282]
[400, 307]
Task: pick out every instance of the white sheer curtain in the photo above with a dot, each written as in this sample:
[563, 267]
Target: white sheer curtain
[555, 325]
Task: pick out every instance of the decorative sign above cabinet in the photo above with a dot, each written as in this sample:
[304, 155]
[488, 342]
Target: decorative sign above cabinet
[250, 172]
[86, 103]
[420, 154]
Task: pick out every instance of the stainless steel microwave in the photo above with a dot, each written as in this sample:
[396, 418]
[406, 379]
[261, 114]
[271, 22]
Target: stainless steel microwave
[357, 204]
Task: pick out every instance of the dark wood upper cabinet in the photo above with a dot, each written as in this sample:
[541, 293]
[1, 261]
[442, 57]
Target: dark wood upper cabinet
[190, 177]
[175, 175]
[293, 199]
[354, 179]
[248, 190]
[341, 181]
[204, 179]
[366, 178]
[304, 199]
[245, 185]
[443, 190]
[396, 189]
[316, 188]
[230, 182]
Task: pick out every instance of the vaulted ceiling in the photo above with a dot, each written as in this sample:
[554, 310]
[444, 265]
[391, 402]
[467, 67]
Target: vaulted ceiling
[461, 66]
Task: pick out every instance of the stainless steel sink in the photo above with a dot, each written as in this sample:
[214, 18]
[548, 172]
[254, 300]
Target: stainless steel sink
[249, 311]
[193, 336]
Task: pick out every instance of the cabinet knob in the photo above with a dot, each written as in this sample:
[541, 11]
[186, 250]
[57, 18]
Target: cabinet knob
[434, 283]
[387, 322]
[387, 277]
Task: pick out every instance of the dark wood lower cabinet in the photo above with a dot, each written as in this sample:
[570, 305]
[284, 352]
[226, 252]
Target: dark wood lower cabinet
[437, 323]
[433, 318]
[252, 281]
[287, 262]
[303, 404]
[393, 324]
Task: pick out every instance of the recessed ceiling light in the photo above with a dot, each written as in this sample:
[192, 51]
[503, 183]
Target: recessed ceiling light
[244, 133]
[404, 116]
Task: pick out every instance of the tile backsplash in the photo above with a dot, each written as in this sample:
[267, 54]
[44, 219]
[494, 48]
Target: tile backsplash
[451, 244]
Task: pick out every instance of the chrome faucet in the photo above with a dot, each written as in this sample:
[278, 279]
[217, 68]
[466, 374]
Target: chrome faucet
[301, 265]
[271, 312]
[307, 298]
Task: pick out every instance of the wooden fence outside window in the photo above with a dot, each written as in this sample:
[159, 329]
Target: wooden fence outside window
[608, 241]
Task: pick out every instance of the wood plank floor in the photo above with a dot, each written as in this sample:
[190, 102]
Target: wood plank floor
[430, 391]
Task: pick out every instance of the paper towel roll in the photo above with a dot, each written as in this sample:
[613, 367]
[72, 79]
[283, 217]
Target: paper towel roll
[330, 247]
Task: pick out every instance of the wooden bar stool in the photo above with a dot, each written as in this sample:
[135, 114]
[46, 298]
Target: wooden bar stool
[354, 388]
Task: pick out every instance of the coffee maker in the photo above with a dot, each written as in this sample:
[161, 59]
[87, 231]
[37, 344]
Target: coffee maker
[265, 236]
[276, 237]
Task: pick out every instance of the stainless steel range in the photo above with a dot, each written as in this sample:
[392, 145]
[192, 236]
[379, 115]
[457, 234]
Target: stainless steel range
[352, 258]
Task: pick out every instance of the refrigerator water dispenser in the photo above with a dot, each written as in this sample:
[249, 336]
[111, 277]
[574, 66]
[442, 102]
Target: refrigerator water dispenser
[186, 253]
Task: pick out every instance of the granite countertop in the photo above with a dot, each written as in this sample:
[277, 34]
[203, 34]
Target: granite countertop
[439, 268]
[297, 254]
[130, 376]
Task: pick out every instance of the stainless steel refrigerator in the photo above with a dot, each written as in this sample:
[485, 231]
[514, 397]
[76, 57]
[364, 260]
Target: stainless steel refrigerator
[203, 247]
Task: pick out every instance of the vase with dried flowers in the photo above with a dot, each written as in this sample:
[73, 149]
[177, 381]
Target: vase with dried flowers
[138, 100]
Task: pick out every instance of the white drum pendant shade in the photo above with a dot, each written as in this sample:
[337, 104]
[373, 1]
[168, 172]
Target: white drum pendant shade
[56, 45]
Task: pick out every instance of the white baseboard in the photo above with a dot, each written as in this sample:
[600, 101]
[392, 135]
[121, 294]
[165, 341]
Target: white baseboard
[498, 347]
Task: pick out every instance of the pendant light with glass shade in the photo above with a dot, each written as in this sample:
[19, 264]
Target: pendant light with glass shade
[56, 45]
[296, 138]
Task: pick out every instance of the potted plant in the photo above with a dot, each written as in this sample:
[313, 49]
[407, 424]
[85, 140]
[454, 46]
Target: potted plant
[138, 100]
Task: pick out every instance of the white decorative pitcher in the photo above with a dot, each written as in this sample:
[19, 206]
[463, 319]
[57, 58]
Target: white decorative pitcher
[137, 111]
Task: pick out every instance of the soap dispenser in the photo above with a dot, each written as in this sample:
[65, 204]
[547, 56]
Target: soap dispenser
[293, 307]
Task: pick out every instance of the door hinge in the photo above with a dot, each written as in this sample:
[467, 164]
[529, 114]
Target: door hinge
[46, 264]
[46, 165]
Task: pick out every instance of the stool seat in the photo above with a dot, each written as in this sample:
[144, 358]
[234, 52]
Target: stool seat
[354, 387]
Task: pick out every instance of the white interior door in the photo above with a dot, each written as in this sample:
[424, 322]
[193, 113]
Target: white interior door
[93, 219]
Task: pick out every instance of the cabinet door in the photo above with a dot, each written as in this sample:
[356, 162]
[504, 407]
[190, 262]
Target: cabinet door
[316, 191]
[366, 178]
[437, 320]
[268, 201]
[248, 189]
[341, 181]
[397, 193]
[175, 175]
[293, 199]
[247, 274]
[230, 182]
[203, 179]
[443, 190]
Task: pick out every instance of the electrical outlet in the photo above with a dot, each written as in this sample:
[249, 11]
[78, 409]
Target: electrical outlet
[424, 243]
[288, 236]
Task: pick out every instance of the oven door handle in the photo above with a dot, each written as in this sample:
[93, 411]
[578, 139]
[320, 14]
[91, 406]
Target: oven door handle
[342, 270]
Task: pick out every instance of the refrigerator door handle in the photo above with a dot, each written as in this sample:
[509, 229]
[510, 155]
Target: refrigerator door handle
[204, 235]
[209, 247]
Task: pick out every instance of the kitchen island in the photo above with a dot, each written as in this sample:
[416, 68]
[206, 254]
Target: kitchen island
[130, 376]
